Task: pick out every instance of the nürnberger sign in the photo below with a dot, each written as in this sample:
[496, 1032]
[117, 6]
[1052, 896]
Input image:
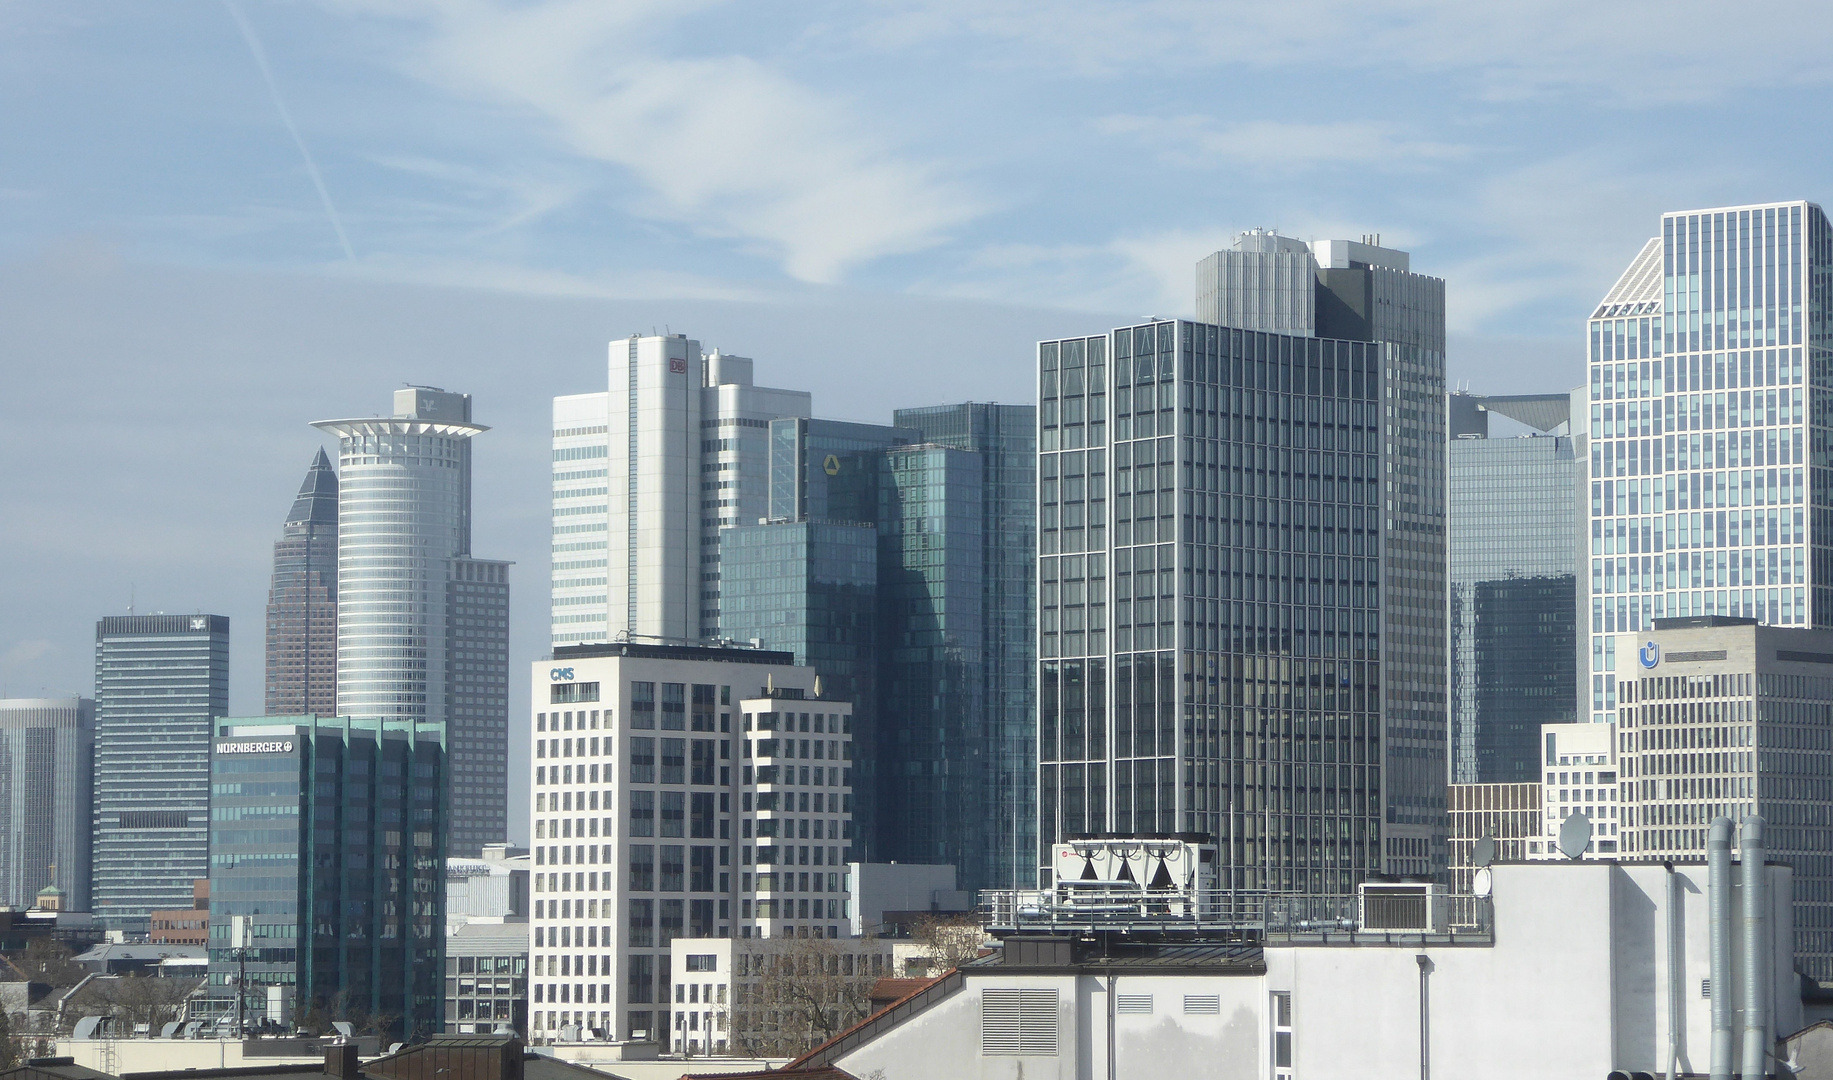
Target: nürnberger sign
[277, 746]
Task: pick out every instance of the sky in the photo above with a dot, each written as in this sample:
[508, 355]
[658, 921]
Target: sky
[221, 220]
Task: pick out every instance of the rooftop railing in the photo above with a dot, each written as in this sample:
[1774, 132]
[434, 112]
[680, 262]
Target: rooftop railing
[1247, 914]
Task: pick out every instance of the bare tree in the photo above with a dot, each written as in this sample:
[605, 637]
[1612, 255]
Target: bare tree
[948, 940]
[135, 999]
[799, 993]
[45, 960]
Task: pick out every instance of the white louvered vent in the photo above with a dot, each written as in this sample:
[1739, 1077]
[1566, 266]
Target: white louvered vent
[1014, 1021]
[1203, 1004]
[1134, 1005]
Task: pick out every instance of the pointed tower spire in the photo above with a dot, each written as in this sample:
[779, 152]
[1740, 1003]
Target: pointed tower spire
[317, 500]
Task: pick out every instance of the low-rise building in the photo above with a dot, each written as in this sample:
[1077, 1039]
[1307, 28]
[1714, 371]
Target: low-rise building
[487, 978]
[184, 926]
[1579, 775]
[1507, 814]
[1564, 969]
[493, 887]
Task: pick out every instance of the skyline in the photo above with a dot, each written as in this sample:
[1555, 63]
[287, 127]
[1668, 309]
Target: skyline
[167, 266]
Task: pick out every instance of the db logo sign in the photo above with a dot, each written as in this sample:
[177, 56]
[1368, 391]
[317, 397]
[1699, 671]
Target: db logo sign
[560, 674]
[677, 367]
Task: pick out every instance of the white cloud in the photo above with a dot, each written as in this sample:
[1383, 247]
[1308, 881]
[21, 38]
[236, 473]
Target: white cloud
[724, 145]
[1270, 145]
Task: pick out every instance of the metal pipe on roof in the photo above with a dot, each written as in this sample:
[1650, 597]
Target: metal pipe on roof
[1676, 957]
[1756, 926]
[1718, 970]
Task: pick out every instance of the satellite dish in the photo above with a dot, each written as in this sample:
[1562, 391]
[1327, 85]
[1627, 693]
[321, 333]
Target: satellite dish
[1485, 851]
[1482, 882]
[1575, 836]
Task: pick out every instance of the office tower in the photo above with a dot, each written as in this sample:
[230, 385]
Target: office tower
[1272, 553]
[1512, 524]
[679, 791]
[674, 450]
[47, 748]
[999, 772]
[1700, 410]
[302, 601]
[328, 836]
[1718, 715]
[159, 681]
[807, 580]
[1266, 282]
[422, 626]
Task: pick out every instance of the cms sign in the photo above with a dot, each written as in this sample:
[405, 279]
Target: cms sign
[560, 674]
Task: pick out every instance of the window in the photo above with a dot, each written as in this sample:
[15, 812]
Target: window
[643, 706]
[642, 813]
[702, 823]
[674, 707]
[642, 931]
[674, 812]
[674, 761]
[568, 693]
[642, 867]
[642, 760]
[702, 961]
[1015, 1021]
[674, 868]
[1282, 1035]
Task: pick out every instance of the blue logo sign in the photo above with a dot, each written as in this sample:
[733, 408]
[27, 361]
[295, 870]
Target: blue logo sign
[1649, 654]
[563, 674]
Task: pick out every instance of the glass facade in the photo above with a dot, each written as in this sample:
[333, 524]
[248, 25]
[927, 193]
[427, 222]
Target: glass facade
[302, 602]
[159, 681]
[1513, 526]
[1705, 359]
[329, 836]
[1002, 763]
[1241, 596]
[423, 628]
[47, 757]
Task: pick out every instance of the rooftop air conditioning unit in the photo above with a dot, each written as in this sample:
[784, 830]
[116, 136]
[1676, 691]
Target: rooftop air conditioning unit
[1411, 907]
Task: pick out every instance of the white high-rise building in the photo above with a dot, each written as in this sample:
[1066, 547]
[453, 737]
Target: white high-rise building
[422, 627]
[679, 791]
[1700, 421]
[645, 475]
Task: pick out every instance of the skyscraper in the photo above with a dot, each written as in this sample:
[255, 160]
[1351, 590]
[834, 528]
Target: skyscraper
[159, 681]
[329, 834]
[674, 450]
[422, 626]
[1273, 670]
[47, 760]
[302, 602]
[1512, 519]
[1701, 412]
[1000, 763]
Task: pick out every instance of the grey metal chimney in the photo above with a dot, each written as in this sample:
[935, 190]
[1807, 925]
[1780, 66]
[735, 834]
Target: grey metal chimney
[1718, 897]
[1756, 925]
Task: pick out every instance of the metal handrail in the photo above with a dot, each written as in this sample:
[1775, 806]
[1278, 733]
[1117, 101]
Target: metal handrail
[1124, 906]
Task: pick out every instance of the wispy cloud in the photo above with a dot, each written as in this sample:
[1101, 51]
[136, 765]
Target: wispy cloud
[1271, 145]
[1634, 51]
[286, 117]
[724, 146]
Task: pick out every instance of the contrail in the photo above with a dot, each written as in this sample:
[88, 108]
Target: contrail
[260, 55]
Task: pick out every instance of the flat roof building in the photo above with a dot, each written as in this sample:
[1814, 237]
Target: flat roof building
[159, 682]
[47, 799]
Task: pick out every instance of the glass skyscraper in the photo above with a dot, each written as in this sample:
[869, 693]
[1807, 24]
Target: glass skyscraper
[1241, 581]
[159, 681]
[987, 809]
[1512, 520]
[422, 626]
[328, 834]
[1708, 388]
[47, 761]
[302, 601]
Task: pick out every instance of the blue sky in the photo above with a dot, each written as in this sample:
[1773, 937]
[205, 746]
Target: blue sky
[884, 203]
